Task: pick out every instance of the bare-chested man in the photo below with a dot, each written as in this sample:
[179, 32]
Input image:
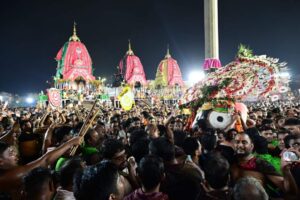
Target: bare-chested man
[248, 165]
[11, 174]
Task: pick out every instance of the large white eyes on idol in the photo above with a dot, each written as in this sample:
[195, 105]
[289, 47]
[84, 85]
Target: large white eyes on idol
[219, 120]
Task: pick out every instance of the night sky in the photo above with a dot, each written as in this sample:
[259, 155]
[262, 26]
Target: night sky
[32, 32]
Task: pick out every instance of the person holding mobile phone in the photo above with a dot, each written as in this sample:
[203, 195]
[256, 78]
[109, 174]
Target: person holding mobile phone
[292, 156]
[247, 164]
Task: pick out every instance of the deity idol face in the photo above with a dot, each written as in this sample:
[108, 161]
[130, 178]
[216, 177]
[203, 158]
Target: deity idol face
[220, 118]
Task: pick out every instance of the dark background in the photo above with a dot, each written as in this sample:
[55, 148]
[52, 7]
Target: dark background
[32, 32]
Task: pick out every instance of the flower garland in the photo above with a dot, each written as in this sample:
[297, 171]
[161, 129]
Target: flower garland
[247, 76]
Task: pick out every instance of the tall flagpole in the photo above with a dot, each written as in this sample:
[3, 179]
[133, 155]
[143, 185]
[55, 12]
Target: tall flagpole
[211, 35]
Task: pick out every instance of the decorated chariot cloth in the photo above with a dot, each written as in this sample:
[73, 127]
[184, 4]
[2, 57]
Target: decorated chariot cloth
[249, 77]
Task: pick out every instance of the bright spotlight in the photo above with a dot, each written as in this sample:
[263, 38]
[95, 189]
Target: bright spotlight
[1, 98]
[196, 76]
[29, 100]
[283, 74]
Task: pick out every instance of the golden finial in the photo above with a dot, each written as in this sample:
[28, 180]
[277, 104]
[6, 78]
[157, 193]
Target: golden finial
[129, 52]
[74, 37]
[168, 55]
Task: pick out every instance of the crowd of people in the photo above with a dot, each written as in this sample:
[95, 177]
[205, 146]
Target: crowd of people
[149, 153]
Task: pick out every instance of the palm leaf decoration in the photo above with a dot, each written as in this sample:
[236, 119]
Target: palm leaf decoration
[244, 51]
